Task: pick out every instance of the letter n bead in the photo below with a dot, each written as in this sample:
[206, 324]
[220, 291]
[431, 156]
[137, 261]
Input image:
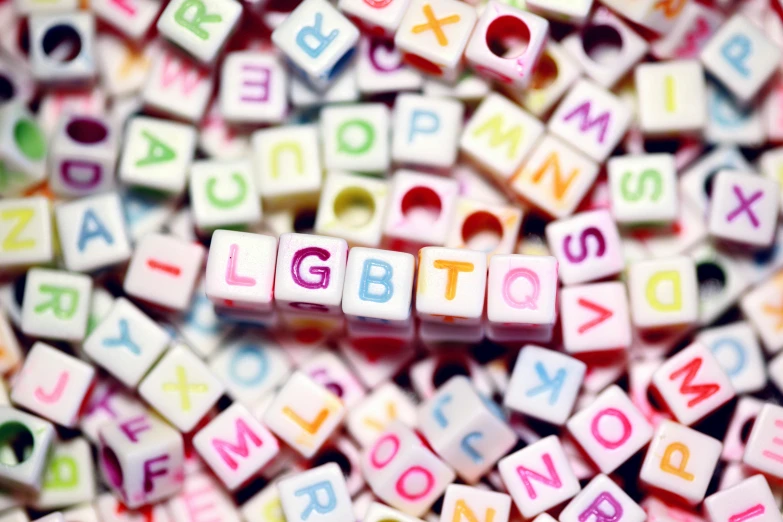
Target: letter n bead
[680, 461]
[235, 445]
[316, 494]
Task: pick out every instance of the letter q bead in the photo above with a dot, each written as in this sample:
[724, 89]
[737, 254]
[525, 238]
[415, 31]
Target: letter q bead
[378, 285]
[451, 285]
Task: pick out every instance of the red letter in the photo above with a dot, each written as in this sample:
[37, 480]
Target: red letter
[702, 391]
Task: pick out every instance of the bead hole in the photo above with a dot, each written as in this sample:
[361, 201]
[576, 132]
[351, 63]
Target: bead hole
[87, 131]
[445, 370]
[421, 206]
[16, 443]
[354, 207]
[545, 72]
[7, 89]
[111, 465]
[712, 279]
[602, 43]
[482, 231]
[508, 37]
[62, 43]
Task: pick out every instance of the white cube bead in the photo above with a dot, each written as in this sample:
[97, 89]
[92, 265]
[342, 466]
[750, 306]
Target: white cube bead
[744, 208]
[663, 292]
[602, 498]
[595, 318]
[352, 207]
[223, 194]
[253, 88]
[56, 304]
[132, 18]
[177, 86]
[451, 285]
[378, 285]
[762, 451]
[751, 498]
[25, 471]
[762, 307]
[318, 491]
[200, 27]
[46, 65]
[69, 478]
[426, 130]
[555, 73]
[387, 403]
[376, 16]
[522, 291]
[643, 189]
[671, 97]
[355, 137]
[23, 149]
[485, 227]
[26, 237]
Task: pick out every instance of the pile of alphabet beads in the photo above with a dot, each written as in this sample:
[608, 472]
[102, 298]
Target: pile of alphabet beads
[391, 260]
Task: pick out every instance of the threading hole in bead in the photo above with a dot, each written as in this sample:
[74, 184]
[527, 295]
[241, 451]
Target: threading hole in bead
[508, 37]
[421, 206]
[16, 443]
[482, 231]
[354, 207]
[602, 43]
[62, 43]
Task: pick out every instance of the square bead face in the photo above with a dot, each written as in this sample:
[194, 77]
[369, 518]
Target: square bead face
[750, 498]
[223, 194]
[310, 272]
[663, 292]
[426, 130]
[744, 208]
[421, 208]
[177, 86]
[92, 232]
[318, 40]
[764, 450]
[241, 269]
[378, 285]
[68, 489]
[451, 285]
[671, 97]
[643, 189]
[126, 342]
[587, 247]
[157, 154]
[512, 68]
[384, 14]
[544, 384]
[56, 304]
[253, 88]
[522, 290]
[163, 270]
[523, 471]
[304, 414]
[680, 461]
[611, 429]
[25, 232]
[540, 97]
[352, 207]
[595, 318]
[693, 384]
[355, 137]
[602, 498]
[499, 135]
[201, 34]
[737, 350]
[235, 445]
[53, 384]
[741, 57]
[591, 119]
[316, 495]
[437, 31]
[479, 504]
[555, 178]
[181, 388]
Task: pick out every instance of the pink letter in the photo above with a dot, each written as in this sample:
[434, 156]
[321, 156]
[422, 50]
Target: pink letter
[241, 448]
[528, 301]
[59, 388]
[603, 516]
[400, 485]
[130, 431]
[611, 444]
[231, 270]
[149, 473]
[553, 480]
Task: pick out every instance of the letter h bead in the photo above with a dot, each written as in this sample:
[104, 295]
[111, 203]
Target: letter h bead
[318, 42]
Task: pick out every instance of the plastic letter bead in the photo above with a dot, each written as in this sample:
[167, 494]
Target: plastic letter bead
[25, 232]
[23, 149]
[56, 304]
[426, 130]
[69, 477]
[693, 384]
[762, 451]
[547, 88]
[126, 342]
[499, 135]
[253, 88]
[514, 67]
[44, 64]
[378, 285]
[544, 384]
[595, 318]
[181, 388]
[304, 414]
[740, 57]
[451, 285]
[554, 178]
[591, 119]
[680, 461]
[611, 429]
[671, 97]
[92, 232]
[744, 208]
[235, 445]
[471, 443]
[737, 351]
[318, 41]
[643, 189]
[598, 253]
[604, 500]
[539, 477]
[433, 35]
[465, 502]
[403, 472]
[157, 154]
[663, 293]
[201, 27]
[141, 459]
[177, 86]
[750, 499]
[316, 495]
[223, 194]
[53, 384]
[38, 435]
[377, 16]
[163, 271]
[133, 18]
[355, 137]
[569, 10]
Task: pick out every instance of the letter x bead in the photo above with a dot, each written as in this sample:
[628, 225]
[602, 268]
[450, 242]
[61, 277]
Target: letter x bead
[181, 387]
[744, 208]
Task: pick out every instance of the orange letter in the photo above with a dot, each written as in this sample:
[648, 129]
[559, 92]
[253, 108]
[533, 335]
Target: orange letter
[666, 461]
[454, 268]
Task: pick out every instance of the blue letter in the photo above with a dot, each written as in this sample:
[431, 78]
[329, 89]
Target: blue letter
[467, 448]
[89, 232]
[556, 384]
[240, 360]
[434, 123]
[312, 492]
[317, 42]
[738, 349]
[736, 50]
[437, 412]
[123, 340]
[368, 280]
